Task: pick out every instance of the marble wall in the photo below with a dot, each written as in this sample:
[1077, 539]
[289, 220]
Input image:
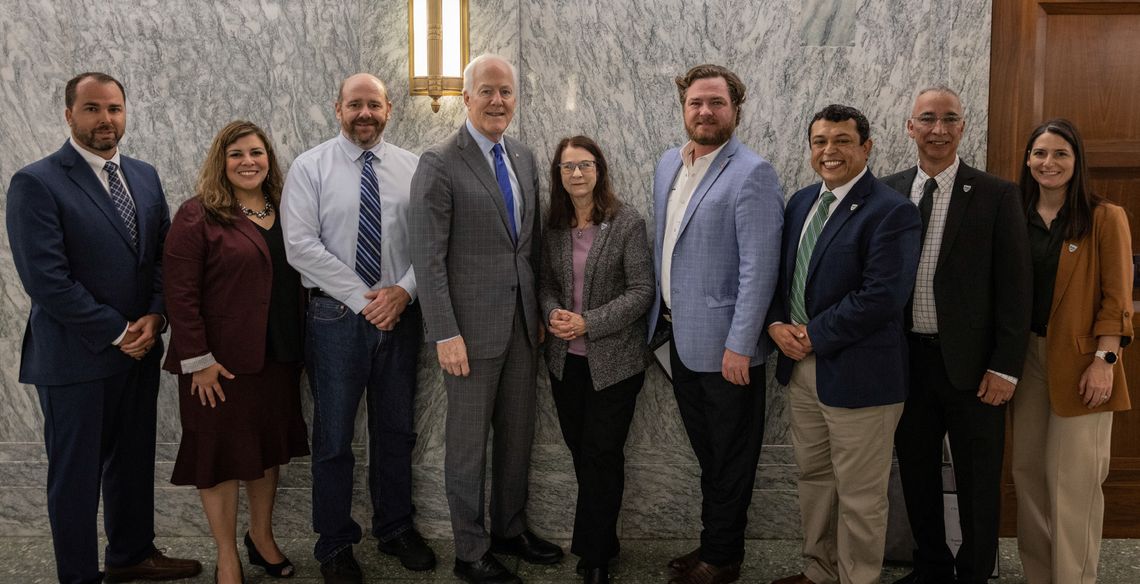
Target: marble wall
[587, 66]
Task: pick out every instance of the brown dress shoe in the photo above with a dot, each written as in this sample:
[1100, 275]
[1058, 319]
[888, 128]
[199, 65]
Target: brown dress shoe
[797, 579]
[683, 564]
[155, 567]
[705, 573]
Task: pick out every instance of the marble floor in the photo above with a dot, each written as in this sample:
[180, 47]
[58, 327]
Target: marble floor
[29, 560]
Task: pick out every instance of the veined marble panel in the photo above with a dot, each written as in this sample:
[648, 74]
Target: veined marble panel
[604, 69]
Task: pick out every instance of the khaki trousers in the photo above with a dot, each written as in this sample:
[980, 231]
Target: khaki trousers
[1059, 465]
[844, 458]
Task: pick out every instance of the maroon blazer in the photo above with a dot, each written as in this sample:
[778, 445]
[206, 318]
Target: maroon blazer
[217, 282]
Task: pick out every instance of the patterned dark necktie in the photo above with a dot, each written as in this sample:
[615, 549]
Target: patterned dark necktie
[368, 240]
[124, 204]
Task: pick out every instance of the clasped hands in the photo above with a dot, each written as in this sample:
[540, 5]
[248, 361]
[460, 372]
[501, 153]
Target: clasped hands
[792, 339]
[566, 325]
[141, 336]
[385, 306]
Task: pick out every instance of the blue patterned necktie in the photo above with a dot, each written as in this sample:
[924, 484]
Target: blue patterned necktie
[368, 240]
[803, 257]
[504, 178]
[123, 202]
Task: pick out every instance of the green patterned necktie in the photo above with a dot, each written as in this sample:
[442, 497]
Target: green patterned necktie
[803, 256]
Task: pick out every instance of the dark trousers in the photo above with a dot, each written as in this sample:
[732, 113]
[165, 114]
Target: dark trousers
[725, 424]
[498, 395]
[595, 425]
[346, 358]
[101, 434]
[933, 408]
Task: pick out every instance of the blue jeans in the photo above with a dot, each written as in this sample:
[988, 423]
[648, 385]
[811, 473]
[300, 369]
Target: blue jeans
[346, 357]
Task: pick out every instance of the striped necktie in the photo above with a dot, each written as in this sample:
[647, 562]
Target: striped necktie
[368, 240]
[124, 204]
[803, 256]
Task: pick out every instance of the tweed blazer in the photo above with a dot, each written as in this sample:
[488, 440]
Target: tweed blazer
[469, 273]
[617, 291]
[1092, 297]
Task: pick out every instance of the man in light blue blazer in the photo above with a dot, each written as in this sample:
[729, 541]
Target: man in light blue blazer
[718, 207]
[86, 225]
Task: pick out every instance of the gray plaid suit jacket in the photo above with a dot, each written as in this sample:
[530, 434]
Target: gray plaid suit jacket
[469, 273]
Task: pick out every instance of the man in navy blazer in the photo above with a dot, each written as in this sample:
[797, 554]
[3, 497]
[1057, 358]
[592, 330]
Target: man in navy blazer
[850, 251]
[86, 226]
[718, 208]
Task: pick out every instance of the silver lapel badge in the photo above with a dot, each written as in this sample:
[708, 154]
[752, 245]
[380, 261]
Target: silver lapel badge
[1072, 247]
[966, 188]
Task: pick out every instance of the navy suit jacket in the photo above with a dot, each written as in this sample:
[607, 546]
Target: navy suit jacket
[858, 282]
[75, 258]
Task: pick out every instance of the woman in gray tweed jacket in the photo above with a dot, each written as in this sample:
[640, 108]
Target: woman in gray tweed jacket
[596, 286]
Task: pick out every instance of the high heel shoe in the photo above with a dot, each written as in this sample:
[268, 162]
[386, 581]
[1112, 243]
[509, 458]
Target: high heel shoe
[282, 569]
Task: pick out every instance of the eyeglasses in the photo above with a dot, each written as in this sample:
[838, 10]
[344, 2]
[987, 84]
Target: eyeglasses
[586, 166]
[931, 120]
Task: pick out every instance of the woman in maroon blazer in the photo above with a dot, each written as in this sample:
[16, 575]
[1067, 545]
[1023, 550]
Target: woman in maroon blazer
[235, 309]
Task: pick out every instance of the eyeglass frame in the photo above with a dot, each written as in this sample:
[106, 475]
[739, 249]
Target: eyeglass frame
[585, 166]
[932, 120]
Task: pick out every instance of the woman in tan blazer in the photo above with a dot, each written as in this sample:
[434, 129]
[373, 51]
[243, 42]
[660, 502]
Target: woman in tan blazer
[1073, 378]
[596, 286]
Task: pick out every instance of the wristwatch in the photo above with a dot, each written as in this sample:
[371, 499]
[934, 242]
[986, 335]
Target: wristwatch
[1108, 356]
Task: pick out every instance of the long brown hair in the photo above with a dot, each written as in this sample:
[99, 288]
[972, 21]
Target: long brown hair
[561, 214]
[1076, 216]
[214, 188]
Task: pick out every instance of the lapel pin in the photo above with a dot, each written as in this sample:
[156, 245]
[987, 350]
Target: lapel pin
[966, 188]
[1072, 247]
[854, 206]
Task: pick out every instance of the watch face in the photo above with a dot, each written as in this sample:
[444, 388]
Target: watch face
[1109, 357]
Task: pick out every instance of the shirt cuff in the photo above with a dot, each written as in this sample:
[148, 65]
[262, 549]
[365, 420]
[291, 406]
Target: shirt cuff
[1008, 378]
[440, 342]
[119, 340]
[196, 364]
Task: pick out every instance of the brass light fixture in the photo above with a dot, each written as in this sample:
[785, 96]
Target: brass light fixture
[437, 47]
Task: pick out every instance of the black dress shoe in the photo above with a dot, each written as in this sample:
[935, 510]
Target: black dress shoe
[485, 570]
[581, 568]
[342, 568]
[156, 567]
[529, 547]
[597, 576]
[411, 549]
[282, 569]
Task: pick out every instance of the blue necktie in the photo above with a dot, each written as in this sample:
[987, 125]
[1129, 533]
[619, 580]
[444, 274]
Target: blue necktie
[368, 240]
[504, 178]
[123, 202]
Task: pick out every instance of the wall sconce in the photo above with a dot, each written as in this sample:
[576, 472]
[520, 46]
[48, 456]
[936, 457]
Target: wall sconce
[438, 47]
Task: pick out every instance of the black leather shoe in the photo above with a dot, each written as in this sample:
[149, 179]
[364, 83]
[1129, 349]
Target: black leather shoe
[581, 568]
[156, 567]
[342, 568]
[924, 577]
[597, 576]
[529, 547]
[411, 549]
[485, 570]
[282, 569]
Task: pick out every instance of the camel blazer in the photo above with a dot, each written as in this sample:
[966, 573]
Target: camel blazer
[617, 291]
[1091, 297]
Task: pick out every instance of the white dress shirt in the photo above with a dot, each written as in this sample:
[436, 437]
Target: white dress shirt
[688, 178]
[320, 218]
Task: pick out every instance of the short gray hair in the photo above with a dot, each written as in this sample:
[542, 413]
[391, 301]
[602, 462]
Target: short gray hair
[470, 70]
[938, 88]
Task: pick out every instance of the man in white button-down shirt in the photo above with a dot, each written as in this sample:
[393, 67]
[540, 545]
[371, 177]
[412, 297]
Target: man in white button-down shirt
[363, 329]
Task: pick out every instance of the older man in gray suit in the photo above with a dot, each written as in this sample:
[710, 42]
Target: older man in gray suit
[475, 249]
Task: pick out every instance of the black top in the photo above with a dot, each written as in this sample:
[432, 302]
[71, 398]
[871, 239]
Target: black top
[1045, 248]
[283, 336]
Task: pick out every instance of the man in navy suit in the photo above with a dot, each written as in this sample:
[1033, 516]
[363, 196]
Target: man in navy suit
[850, 252]
[86, 226]
[718, 207]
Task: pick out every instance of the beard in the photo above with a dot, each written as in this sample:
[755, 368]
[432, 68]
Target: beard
[708, 134]
[101, 144]
[366, 134]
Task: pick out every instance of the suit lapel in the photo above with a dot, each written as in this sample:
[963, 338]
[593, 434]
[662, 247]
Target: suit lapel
[473, 157]
[715, 169]
[669, 169]
[523, 174]
[960, 197]
[596, 248]
[250, 231]
[843, 211]
[1071, 252]
[81, 174]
